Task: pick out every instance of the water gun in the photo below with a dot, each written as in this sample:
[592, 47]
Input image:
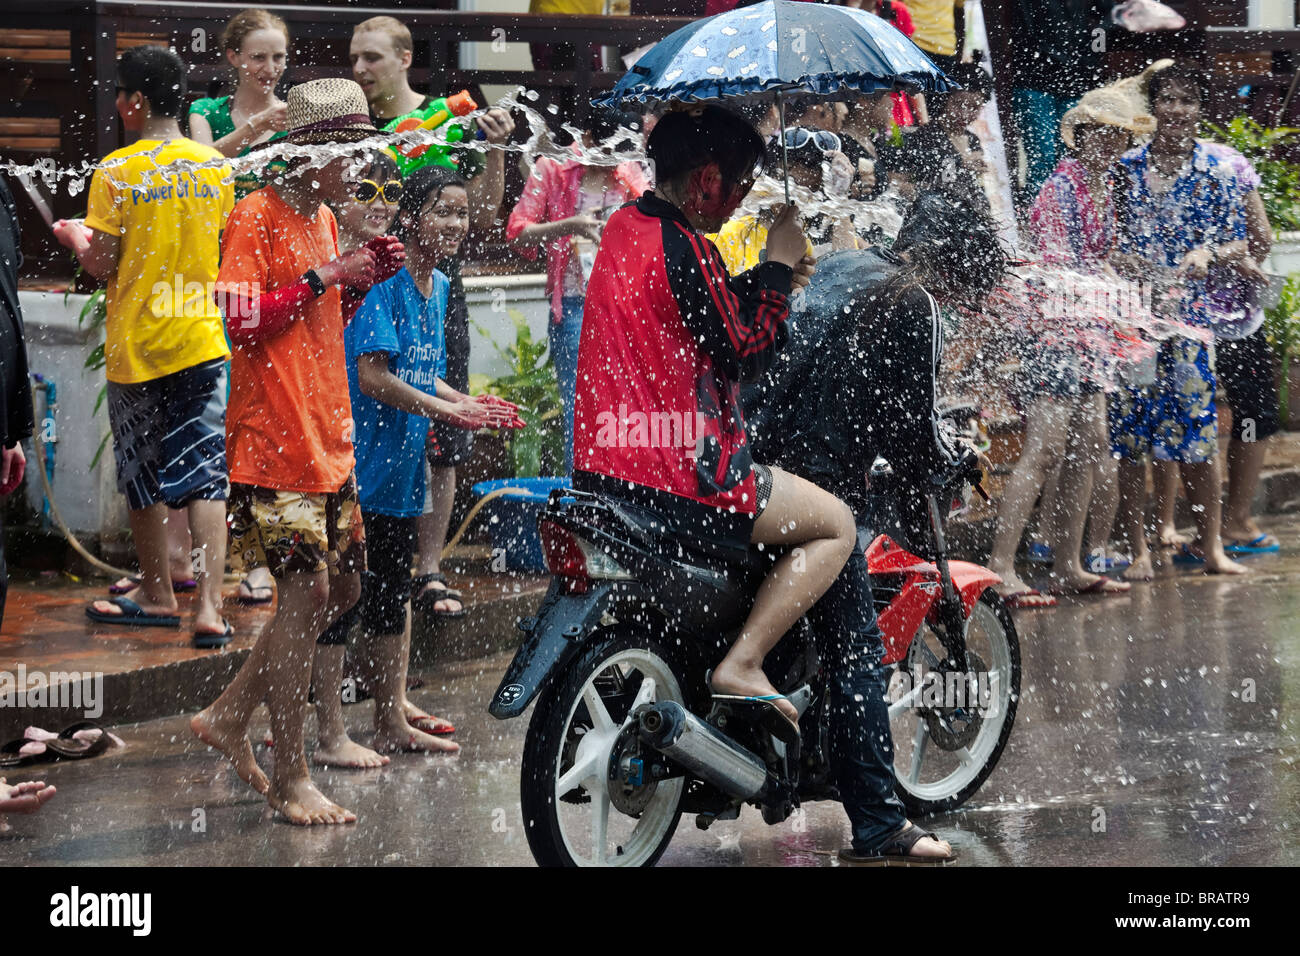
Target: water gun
[412, 156]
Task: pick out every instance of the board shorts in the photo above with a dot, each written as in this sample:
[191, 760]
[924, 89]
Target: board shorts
[169, 437]
[292, 532]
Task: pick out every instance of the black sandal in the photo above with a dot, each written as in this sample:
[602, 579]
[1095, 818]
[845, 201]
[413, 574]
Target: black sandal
[897, 851]
[424, 598]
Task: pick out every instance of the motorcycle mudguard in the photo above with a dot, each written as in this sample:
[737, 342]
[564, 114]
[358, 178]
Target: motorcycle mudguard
[563, 623]
[971, 580]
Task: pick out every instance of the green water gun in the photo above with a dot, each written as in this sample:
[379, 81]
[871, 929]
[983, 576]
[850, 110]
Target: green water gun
[412, 156]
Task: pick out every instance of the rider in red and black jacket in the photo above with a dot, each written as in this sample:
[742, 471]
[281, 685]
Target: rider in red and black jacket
[667, 338]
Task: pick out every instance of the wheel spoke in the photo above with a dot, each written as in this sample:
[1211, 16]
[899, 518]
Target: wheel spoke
[963, 756]
[919, 740]
[599, 821]
[905, 702]
[583, 769]
[645, 695]
[596, 708]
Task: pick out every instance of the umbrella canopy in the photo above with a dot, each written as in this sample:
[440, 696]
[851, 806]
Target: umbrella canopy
[778, 46]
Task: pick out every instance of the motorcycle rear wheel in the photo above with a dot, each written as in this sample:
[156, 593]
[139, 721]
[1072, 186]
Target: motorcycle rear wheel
[936, 770]
[567, 781]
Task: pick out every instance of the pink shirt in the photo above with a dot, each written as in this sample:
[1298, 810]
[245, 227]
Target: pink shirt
[551, 194]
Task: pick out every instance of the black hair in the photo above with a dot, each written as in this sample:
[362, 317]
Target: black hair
[156, 73]
[416, 190]
[683, 141]
[604, 123]
[951, 250]
[971, 77]
[1179, 73]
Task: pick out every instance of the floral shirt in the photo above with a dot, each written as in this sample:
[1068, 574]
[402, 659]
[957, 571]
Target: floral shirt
[1067, 224]
[1205, 205]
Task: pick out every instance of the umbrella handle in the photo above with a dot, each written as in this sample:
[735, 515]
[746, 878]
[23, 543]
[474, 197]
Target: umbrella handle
[785, 158]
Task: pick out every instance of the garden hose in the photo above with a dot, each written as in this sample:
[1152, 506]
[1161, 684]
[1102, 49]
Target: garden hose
[39, 444]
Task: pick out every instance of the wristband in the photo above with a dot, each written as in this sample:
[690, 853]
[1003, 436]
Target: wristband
[316, 283]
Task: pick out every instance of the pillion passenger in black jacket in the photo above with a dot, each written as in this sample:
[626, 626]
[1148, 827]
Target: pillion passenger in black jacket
[856, 380]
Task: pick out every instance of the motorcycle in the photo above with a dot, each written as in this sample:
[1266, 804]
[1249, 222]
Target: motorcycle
[626, 737]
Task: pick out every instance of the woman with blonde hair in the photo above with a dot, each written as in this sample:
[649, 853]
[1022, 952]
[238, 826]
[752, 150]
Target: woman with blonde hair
[255, 43]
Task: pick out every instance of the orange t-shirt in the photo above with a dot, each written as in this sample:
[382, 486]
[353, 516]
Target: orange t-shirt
[289, 422]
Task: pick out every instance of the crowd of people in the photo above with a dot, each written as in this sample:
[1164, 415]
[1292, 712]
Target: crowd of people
[297, 400]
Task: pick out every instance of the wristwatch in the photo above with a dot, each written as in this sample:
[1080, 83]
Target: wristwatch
[317, 284]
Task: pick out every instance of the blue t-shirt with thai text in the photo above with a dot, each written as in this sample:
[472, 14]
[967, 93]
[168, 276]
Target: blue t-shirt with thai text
[398, 320]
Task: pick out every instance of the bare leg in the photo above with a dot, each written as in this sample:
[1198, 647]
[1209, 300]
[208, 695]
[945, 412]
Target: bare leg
[1105, 487]
[1044, 441]
[798, 513]
[207, 524]
[154, 595]
[1164, 476]
[180, 543]
[1088, 443]
[1245, 462]
[1049, 515]
[431, 531]
[1203, 489]
[387, 657]
[1130, 519]
[334, 748]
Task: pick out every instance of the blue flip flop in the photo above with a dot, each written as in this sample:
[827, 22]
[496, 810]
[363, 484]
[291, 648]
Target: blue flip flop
[133, 615]
[1252, 547]
[1038, 553]
[1185, 555]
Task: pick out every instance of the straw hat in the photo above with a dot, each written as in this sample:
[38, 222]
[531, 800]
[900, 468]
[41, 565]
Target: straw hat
[331, 110]
[1106, 106]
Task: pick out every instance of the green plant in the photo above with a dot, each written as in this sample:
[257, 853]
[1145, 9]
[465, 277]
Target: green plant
[1282, 329]
[531, 385]
[1279, 179]
[93, 317]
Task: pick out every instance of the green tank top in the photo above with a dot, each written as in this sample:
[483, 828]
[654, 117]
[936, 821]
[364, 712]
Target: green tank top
[216, 110]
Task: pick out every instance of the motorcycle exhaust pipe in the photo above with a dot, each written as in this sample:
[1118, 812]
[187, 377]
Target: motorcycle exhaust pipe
[704, 751]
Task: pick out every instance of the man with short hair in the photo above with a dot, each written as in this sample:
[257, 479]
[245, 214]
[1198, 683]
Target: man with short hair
[153, 232]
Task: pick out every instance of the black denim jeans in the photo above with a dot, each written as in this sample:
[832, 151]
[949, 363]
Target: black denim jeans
[861, 746]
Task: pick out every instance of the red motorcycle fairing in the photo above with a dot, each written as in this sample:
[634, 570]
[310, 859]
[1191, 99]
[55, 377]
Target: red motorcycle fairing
[921, 588]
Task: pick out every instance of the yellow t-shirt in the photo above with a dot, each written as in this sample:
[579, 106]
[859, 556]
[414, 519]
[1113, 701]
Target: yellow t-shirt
[936, 25]
[740, 242]
[161, 314]
[589, 7]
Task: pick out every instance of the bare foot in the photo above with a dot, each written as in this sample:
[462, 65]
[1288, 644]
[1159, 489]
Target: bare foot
[1217, 562]
[928, 847]
[1139, 570]
[302, 804]
[428, 723]
[346, 752]
[1170, 537]
[1011, 583]
[233, 742]
[399, 737]
[728, 678]
[138, 596]
[1085, 583]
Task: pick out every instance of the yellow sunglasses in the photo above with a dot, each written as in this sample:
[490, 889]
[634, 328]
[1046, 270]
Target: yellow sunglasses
[369, 190]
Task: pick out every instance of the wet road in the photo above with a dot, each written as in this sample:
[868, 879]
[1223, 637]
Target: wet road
[1157, 728]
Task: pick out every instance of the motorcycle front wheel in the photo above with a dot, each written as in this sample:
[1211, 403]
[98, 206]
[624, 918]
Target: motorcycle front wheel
[948, 734]
[578, 807]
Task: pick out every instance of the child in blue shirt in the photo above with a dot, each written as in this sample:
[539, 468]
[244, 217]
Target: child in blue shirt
[396, 359]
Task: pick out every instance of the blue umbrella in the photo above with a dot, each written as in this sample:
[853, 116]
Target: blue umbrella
[775, 47]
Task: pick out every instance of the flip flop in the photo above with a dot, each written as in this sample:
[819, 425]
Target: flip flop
[23, 751]
[419, 723]
[424, 598]
[1185, 555]
[1038, 553]
[1098, 564]
[772, 717]
[1031, 599]
[897, 851]
[71, 742]
[1254, 546]
[250, 599]
[1105, 586]
[210, 640]
[133, 615]
[178, 587]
